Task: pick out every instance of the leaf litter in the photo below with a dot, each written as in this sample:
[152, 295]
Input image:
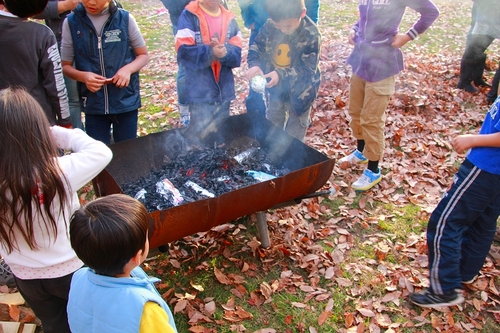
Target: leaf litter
[311, 244]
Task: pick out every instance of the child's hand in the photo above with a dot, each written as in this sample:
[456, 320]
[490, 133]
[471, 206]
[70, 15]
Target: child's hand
[400, 40]
[274, 79]
[94, 81]
[462, 143]
[214, 42]
[66, 5]
[122, 77]
[220, 51]
[352, 37]
[253, 71]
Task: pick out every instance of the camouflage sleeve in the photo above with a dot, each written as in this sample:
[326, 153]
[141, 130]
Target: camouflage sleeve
[257, 52]
[308, 45]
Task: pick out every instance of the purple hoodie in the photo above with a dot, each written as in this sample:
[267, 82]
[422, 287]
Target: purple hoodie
[373, 57]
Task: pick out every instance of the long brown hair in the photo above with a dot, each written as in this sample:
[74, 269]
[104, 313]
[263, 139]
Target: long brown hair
[30, 178]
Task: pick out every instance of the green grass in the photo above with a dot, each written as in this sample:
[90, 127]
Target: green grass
[279, 312]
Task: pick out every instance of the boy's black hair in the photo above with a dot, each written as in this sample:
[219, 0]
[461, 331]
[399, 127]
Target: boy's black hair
[107, 232]
[279, 10]
[25, 8]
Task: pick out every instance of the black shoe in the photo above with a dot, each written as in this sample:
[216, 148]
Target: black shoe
[470, 281]
[428, 299]
[491, 96]
[467, 87]
[482, 83]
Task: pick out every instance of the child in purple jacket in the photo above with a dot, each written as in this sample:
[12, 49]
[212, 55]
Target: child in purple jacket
[375, 61]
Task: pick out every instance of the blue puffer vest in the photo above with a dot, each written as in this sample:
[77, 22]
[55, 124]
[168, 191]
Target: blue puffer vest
[100, 303]
[104, 53]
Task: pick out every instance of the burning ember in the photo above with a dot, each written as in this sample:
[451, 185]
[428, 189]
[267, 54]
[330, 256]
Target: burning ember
[202, 173]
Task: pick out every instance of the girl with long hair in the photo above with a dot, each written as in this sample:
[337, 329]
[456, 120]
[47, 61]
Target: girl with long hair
[38, 195]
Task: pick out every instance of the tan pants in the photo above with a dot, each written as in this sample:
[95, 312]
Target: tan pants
[367, 104]
[280, 115]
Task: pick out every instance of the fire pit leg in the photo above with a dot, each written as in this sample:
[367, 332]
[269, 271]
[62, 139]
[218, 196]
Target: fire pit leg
[265, 242]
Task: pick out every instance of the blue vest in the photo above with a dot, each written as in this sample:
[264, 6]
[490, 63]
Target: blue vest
[99, 303]
[104, 53]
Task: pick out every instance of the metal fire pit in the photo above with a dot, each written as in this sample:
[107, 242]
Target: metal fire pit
[134, 158]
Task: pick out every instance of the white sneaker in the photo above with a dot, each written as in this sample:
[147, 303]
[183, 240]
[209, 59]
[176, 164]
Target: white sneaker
[184, 116]
[354, 158]
[367, 180]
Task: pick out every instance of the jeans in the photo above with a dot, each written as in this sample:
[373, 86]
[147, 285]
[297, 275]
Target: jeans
[74, 103]
[181, 82]
[203, 114]
[48, 298]
[461, 228]
[124, 126]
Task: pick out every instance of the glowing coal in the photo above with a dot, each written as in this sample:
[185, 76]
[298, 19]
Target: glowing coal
[202, 173]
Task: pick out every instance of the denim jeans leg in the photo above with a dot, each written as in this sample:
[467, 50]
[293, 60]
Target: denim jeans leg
[125, 125]
[98, 127]
[74, 103]
[181, 84]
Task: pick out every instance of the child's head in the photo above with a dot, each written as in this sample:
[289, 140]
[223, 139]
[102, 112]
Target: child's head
[25, 8]
[211, 5]
[110, 231]
[286, 14]
[95, 7]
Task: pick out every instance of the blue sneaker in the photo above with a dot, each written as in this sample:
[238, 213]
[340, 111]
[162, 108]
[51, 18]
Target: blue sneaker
[367, 180]
[354, 158]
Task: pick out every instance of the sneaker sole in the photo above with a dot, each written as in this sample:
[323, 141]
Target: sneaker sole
[352, 163]
[361, 189]
[471, 281]
[460, 299]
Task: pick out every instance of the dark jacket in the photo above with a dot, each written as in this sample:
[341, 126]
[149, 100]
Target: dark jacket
[106, 58]
[207, 80]
[53, 19]
[30, 58]
[175, 8]
[300, 79]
